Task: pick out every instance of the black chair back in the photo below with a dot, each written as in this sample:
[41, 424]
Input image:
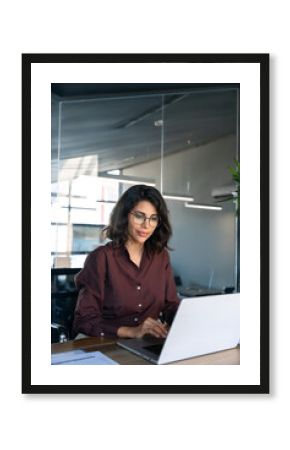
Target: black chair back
[63, 301]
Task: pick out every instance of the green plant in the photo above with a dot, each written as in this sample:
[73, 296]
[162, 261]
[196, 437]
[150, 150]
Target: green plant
[235, 171]
[234, 195]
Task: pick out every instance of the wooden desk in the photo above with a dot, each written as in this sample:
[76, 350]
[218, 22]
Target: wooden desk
[124, 357]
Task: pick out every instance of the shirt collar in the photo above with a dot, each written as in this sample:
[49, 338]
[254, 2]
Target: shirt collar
[122, 251]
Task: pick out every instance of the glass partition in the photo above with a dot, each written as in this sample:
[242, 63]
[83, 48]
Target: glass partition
[182, 142]
[96, 146]
[200, 135]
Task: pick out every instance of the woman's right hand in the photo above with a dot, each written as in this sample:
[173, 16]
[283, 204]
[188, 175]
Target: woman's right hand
[150, 326]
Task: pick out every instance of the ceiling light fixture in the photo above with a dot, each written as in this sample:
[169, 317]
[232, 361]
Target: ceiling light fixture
[200, 206]
[178, 197]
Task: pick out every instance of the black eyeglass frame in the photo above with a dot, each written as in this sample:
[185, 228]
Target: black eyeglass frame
[147, 218]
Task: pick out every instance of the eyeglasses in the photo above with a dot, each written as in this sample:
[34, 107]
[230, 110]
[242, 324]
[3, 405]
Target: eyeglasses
[140, 218]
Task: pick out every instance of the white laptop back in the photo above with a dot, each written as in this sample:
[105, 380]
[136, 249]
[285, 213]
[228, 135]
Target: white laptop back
[203, 325]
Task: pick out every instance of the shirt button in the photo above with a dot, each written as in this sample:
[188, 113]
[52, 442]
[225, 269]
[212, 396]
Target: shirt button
[138, 287]
[136, 319]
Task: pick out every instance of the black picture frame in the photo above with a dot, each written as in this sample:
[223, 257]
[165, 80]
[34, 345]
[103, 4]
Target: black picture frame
[262, 60]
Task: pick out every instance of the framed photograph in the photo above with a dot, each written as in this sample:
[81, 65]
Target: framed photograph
[93, 126]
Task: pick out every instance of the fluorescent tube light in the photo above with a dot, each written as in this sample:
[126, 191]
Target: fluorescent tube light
[199, 206]
[178, 197]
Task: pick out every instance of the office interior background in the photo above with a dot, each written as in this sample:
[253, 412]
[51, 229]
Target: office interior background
[180, 138]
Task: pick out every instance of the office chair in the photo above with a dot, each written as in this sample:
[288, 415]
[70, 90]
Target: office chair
[59, 333]
[63, 300]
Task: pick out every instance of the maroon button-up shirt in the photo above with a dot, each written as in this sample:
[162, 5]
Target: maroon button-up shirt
[114, 292]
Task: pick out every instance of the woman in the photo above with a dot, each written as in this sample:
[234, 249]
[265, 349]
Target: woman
[126, 287]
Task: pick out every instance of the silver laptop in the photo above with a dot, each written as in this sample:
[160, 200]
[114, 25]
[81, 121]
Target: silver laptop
[202, 325]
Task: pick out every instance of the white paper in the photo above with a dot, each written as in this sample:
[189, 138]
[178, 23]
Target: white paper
[80, 357]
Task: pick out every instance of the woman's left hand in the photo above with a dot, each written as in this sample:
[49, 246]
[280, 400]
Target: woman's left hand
[150, 326]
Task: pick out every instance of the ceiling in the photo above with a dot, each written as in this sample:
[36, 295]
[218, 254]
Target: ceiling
[122, 123]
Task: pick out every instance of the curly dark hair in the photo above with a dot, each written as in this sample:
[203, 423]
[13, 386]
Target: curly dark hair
[117, 230]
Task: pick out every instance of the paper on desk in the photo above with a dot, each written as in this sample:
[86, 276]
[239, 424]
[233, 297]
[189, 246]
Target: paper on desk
[80, 357]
